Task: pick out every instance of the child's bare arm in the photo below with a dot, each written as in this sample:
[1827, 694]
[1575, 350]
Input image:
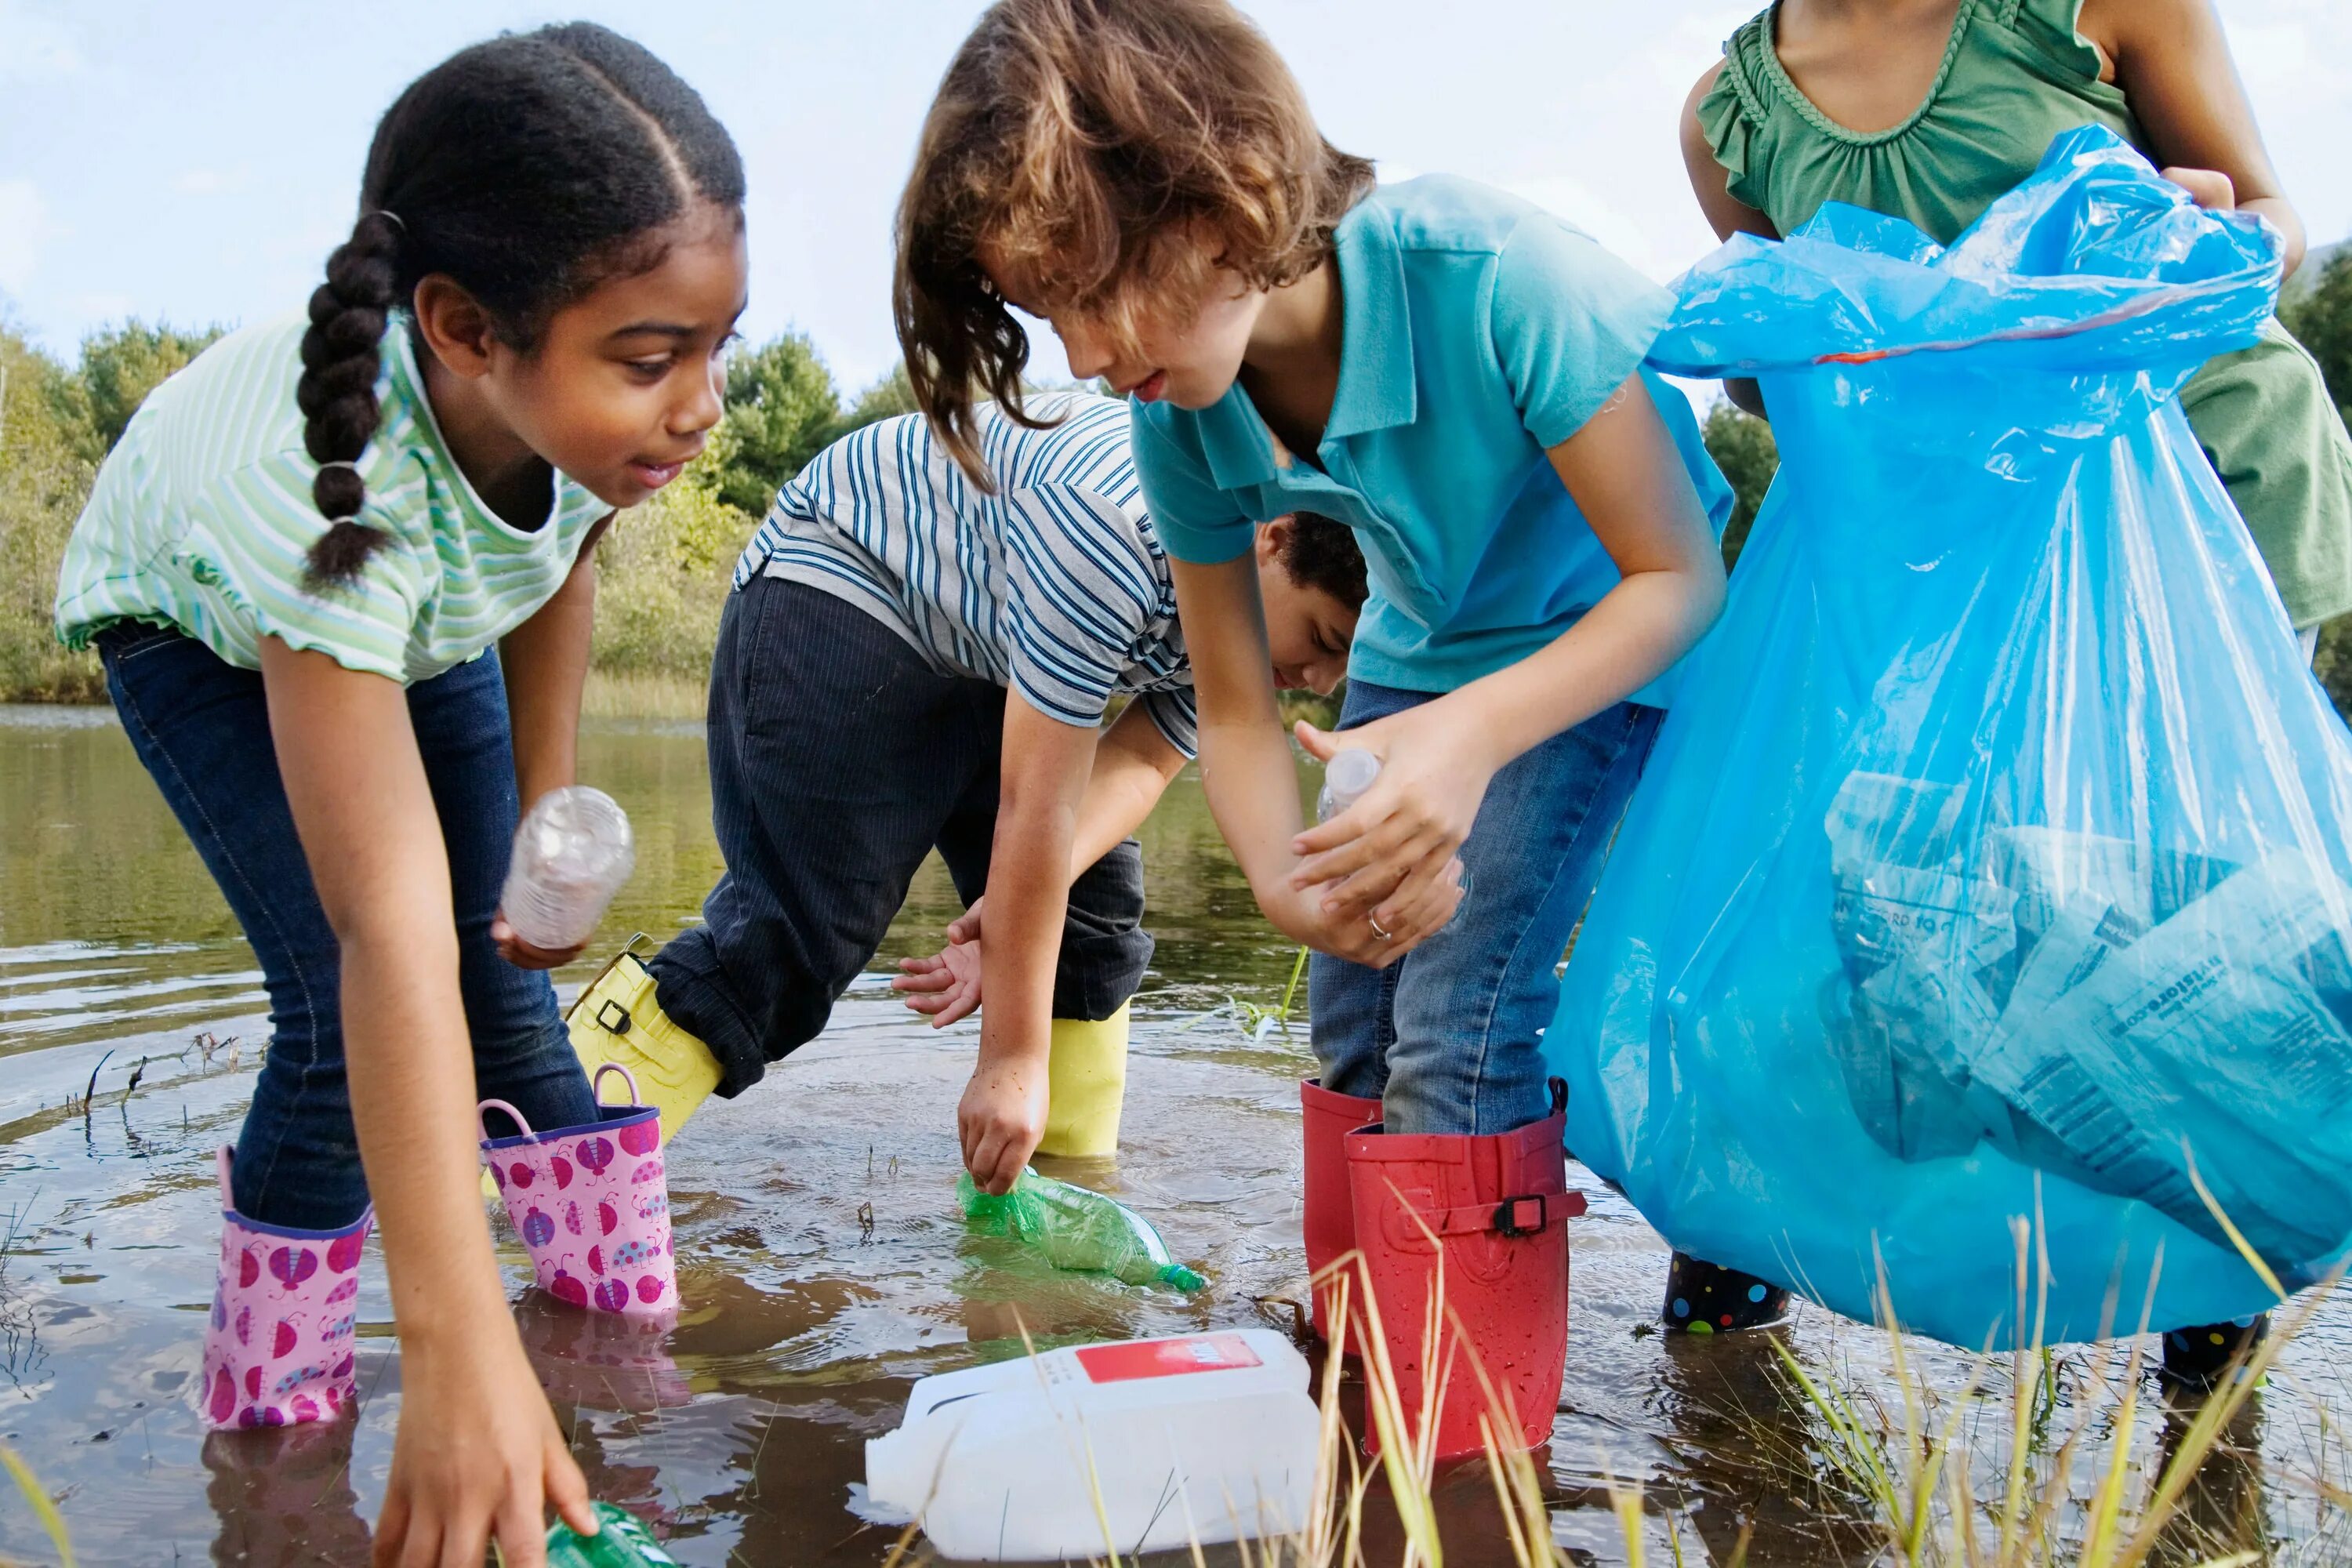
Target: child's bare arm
[1046, 764]
[478, 1445]
[1725, 213]
[545, 661]
[1248, 772]
[1628, 480]
[1133, 763]
[2172, 60]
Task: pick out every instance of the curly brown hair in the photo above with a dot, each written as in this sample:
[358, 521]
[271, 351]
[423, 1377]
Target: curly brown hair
[1074, 139]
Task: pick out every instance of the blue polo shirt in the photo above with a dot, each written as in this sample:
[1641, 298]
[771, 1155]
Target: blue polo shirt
[1478, 330]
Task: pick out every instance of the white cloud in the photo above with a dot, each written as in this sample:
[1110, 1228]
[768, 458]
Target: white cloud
[24, 225]
[32, 45]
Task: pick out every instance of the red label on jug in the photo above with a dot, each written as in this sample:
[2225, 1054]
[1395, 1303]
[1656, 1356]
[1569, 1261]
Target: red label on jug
[1167, 1358]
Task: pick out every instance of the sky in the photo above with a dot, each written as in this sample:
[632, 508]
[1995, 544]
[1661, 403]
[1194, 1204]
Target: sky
[195, 163]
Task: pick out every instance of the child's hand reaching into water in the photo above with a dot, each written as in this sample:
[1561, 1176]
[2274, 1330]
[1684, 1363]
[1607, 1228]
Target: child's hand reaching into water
[1001, 1119]
[946, 987]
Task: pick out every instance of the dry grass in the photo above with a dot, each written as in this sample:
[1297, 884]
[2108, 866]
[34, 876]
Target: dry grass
[642, 696]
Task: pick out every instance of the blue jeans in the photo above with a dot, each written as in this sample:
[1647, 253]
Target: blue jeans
[200, 726]
[1449, 1039]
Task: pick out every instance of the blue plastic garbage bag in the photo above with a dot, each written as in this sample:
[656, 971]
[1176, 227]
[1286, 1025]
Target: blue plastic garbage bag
[1993, 858]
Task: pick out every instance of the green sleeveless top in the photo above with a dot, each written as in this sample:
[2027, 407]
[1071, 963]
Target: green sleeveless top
[2014, 76]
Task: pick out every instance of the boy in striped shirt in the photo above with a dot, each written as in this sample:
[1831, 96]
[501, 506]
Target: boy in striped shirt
[909, 662]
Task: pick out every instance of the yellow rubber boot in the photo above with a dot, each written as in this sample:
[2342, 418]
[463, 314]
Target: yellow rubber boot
[617, 1019]
[1087, 1076]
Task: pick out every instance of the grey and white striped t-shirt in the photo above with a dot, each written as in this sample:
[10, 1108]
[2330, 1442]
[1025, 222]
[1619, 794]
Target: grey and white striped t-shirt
[1054, 586]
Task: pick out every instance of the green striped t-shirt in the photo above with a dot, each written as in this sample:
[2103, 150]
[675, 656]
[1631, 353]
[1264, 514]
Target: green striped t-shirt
[202, 519]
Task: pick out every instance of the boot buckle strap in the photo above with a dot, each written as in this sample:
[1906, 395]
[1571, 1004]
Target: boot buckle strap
[612, 1017]
[1529, 1214]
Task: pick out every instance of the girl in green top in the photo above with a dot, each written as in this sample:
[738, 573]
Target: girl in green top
[1927, 110]
[336, 571]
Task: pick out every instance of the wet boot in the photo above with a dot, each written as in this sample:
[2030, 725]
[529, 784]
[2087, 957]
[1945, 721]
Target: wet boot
[1495, 1210]
[1330, 1208]
[1708, 1298]
[590, 1203]
[278, 1349]
[618, 1018]
[2196, 1358]
[1087, 1080]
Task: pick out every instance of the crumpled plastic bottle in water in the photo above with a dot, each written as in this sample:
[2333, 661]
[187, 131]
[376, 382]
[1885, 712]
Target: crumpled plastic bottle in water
[1346, 777]
[1074, 1228]
[621, 1541]
[572, 854]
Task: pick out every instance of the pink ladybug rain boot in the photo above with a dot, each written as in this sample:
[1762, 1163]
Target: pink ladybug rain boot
[278, 1351]
[590, 1203]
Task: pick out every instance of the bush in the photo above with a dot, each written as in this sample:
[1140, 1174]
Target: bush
[665, 568]
[2318, 309]
[44, 479]
[120, 366]
[662, 578]
[1742, 447]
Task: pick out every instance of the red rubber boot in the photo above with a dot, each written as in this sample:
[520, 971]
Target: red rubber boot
[1500, 1207]
[1330, 1220]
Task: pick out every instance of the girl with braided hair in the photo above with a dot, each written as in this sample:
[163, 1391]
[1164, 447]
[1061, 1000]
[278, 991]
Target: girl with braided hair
[336, 573]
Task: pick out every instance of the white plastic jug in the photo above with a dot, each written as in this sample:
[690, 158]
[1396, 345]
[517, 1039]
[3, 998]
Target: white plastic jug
[1202, 1438]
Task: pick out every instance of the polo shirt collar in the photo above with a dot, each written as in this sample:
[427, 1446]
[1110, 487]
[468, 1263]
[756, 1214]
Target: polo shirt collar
[1235, 441]
[1376, 383]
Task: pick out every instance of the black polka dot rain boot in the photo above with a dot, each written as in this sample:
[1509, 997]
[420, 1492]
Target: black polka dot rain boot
[2196, 1358]
[1708, 1298]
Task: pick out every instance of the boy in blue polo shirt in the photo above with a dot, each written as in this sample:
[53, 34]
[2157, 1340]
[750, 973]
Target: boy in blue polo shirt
[912, 659]
[1457, 376]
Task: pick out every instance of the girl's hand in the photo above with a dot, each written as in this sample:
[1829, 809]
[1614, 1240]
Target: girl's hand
[477, 1456]
[1001, 1119]
[1386, 857]
[2208, 188]
[1300, 916]
[947, 987]
[522, 954]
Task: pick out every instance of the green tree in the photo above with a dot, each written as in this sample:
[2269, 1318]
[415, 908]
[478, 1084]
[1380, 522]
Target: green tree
[1741, 446]
[886, 399]
[782, 410]
[2321, 315]
[120, 366]
[2319, 311]
[44, 479]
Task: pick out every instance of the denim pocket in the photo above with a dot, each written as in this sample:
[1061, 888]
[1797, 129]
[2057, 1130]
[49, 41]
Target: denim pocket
[126, 640]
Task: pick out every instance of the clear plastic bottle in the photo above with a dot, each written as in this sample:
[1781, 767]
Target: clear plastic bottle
[1346, 777]
[1074, 1228]
[572, 854]
[622, 1541]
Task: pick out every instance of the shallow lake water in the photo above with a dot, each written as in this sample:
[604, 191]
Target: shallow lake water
[820, 1258]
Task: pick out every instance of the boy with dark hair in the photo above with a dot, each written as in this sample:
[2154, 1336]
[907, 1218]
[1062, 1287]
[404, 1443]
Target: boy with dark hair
[911, 660]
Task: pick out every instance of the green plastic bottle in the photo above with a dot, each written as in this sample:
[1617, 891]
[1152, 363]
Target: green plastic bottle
[622, 1541]
[1075, 1228]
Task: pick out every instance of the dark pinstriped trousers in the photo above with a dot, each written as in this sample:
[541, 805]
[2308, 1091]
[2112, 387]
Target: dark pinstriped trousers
[838, 760]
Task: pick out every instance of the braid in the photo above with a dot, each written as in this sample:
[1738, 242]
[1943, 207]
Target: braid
[340, 359]
[527, 170]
